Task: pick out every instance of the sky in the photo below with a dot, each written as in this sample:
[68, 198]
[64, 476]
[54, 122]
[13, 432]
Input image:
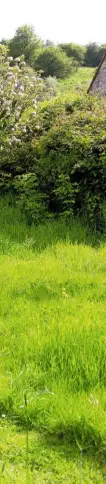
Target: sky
[79, 21]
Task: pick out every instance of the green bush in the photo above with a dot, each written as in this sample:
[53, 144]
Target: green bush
[29, 199]
[74, 149]
[64, 195]
[74, 50]
[53, 62]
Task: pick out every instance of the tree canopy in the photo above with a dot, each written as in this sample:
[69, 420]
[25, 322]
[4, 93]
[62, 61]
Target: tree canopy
[26, 42]
[74, 50]
[53, 62]
[51, 59]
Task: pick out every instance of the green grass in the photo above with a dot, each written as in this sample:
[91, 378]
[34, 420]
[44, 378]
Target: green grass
[78, 82]
[53, 351]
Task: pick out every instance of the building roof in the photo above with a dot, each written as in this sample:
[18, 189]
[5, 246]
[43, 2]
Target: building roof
[96, 73]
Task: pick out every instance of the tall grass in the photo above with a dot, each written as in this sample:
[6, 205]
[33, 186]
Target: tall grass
[53, 327]
[78, 82]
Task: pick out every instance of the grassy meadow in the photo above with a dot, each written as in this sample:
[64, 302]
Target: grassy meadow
[78, 82]
[53, 352]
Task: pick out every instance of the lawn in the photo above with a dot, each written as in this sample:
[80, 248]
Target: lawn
[53, 352]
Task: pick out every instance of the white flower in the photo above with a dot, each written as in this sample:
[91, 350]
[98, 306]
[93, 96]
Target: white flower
[10, 59]
[13, 138]
[17, 115]
[22, 88]
[23, 63]
[11, 76]
[17, 59]
[8, 102]
[16, 85]
[35, 102]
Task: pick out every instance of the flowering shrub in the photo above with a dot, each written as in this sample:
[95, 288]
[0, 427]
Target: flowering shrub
[20, 90]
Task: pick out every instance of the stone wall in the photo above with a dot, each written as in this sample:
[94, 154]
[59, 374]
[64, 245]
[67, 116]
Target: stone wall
[99, 84]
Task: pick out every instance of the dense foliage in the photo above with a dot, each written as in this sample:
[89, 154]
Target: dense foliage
[73, 154]
[52, 59]
[76, 51]
[94, 54]
[52, 151]
[89, 55]
[26, 42]
[53, 62]
[45, 57]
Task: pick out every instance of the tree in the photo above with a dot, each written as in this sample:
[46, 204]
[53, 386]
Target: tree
[4, 42]
[53, 62]
[48, 43]
[26, 42]
[92, 55]
[101, 52]
[74, 50]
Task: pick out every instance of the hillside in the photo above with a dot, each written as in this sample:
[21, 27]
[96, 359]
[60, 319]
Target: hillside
[53, 352]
